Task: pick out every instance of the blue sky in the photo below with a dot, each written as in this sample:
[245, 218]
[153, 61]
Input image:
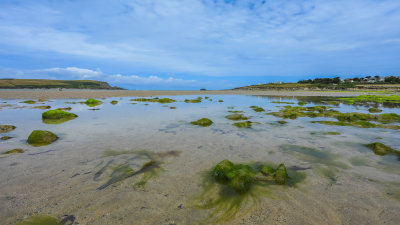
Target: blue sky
[191, 44]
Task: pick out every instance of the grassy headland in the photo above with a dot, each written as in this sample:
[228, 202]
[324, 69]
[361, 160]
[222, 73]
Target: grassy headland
[42, 83]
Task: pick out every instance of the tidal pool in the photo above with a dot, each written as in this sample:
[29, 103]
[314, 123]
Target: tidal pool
[146, 163]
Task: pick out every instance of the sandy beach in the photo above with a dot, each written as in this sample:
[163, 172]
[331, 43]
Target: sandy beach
[75, 93]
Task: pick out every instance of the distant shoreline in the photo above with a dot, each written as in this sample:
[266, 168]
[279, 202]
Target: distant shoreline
[80, 94]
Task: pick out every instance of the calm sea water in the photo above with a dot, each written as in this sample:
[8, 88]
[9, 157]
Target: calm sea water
[345, 182]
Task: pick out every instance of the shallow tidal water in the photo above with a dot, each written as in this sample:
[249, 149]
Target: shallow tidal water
[340, 181]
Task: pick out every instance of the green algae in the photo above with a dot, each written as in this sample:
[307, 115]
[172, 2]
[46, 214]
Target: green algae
[220, 100]
[65, 108]
[156, 99]
[279, 102]
[204, 122]
[114, 102]
[57, 116]
[282, 122]
[381, 149]
[360, 124]
[29, 102]
[236, 116]
[41, 220]
[14, 151]
[257, 109]
[91, 102]
[374, 110]
[372, 98]
[245, 124]
[235, 111]
[172, 107]
[301, 103]
[325, 133]
[6, 128]
[41, 137]
[196, 100]
[223, 199]
[42, 107]
[4, 138]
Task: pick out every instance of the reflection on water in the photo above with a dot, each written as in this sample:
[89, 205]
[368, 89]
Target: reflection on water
[144, 163]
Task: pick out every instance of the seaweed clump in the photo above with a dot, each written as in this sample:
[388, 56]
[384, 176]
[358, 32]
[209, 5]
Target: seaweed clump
[381, 149]
[57, 116]
[91, 102]
[245, 124]
[257, 109]
[372, 98]
[240, 177]
[236, 116]
[41, 137]
[196, 100]
[374, 110]
[41, 220]
[6, 128]
[156, 99]
[14, 151]
[204, 122]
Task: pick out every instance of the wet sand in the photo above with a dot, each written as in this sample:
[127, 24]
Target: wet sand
[74, 93]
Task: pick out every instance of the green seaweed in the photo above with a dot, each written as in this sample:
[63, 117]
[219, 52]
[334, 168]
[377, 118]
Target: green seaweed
[6, 128]
[196, 100]
[41, 220]
[381, 149]
[29, 102]
[4, 138]
[228, 201]
[204, 122]
[282, 122]
[172, 107]
[374, 110]
[91, 102]
[14, 151]
[235, 111]
[245, 124]
[361, 124]
[41, 137]
[114, 102]
[372, 98]
[301, 103]
[65, 108]
[42, 107]
[220, 100]
[236, 116]
[257, 109]
[57, 116]
[156, 99]
[279, 102]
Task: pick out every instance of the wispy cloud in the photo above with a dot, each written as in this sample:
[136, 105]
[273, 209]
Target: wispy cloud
[204, 37]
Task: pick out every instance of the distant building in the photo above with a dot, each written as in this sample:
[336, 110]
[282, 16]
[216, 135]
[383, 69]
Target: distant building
[278, 82]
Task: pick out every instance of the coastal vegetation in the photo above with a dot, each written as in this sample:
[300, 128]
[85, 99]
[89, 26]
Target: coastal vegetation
[43, 83]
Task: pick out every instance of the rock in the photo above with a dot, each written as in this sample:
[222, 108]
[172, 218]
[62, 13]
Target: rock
[236, 116]
[4, 138]
[221, 169]
[6, 128]
[15, 151]
[41, 137]
[114, 102]
[93, 102]
[381, 149]
[281, 175]
[246, 124]
[204, 122]
[57, 116]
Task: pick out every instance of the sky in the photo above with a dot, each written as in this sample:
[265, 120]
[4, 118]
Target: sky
[192, 44]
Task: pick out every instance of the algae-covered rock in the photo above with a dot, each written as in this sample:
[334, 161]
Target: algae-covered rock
[282, 122]
[301, 103]
[57, 116]
[381, 149]
[41, 220]
[42, 107]
[236, 116]
[221, 170]
[196, 100]
[4, 138]
[91, 102]
[245, 124]
[14, 151]
[172, 107]
[29, 102]
[65, 108]
[220, 100]
[241, 176]
[281, 175]
[41, 137]
[6, 128]
[257, 109]
[114, 102]
[374, 110]
[204, 122]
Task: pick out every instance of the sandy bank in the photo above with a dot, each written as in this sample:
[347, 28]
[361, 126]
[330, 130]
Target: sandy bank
[51, 94]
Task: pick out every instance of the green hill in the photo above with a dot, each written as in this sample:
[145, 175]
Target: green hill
[42, 83]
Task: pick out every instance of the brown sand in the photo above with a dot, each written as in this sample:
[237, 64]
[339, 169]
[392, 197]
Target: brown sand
[51, 94]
